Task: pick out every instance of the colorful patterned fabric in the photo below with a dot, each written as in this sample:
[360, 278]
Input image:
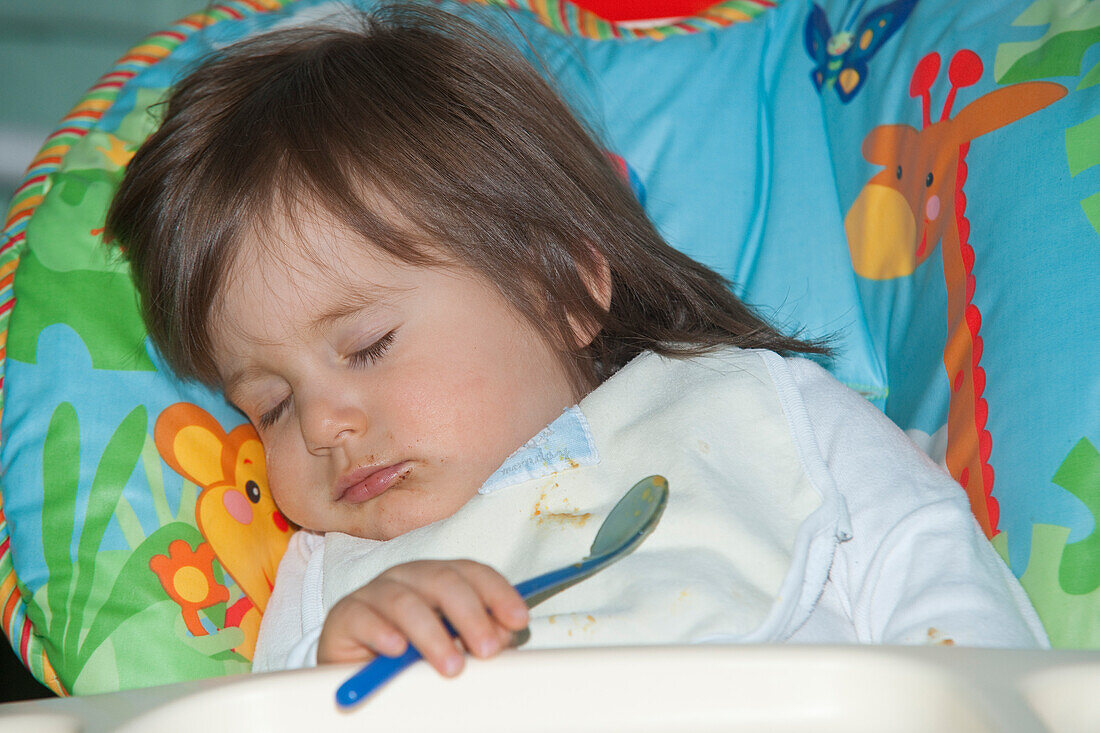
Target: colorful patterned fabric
[44, 173]
[967, 170]
[918, 178]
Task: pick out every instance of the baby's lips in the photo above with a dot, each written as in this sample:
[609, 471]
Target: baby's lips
[364, 484]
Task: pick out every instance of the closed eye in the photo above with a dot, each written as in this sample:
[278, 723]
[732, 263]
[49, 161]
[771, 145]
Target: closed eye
[271, 416]
[374, 352]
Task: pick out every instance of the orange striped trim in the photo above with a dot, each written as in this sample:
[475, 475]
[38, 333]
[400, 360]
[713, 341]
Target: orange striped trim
[50, 160]
[25, 206]
[90, 115]
[90, 105]
[8, 591]
[151, 49]
[731, 14]
[589, 25]
[54, 151]
[539, 6]
[15, 219]
[195, 20]
[141, 58]
[50, 678]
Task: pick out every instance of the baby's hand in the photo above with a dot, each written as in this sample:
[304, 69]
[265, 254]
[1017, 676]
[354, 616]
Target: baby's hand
[403, 605]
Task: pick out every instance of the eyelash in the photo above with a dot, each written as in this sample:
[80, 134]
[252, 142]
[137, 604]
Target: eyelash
[268, 418]
[374, 352]
[361, 358]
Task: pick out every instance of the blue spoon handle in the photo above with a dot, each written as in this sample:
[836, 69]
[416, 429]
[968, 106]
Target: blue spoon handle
[559, 579]
[373, 675]
[381, 670]
[378, 672]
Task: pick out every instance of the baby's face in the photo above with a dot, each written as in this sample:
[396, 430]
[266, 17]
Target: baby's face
[385, 393]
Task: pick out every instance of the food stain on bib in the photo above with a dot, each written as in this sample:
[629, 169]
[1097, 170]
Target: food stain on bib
[569, 517]
[935, 636]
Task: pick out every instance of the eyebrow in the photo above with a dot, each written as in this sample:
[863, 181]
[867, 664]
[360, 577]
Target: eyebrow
[360, 298]
[236, 379]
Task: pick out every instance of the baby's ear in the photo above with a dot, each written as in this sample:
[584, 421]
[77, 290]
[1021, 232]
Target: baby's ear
[596, 275]
[598, 280]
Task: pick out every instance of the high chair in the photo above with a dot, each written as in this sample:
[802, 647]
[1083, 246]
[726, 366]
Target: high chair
[919, 179]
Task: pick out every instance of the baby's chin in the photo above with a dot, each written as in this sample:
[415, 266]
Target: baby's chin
[393, 516]
[383, 532]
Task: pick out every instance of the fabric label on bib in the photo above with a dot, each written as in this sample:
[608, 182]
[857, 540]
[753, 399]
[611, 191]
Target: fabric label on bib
[564, 444]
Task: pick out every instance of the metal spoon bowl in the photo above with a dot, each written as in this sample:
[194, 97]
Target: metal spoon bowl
[630, 521]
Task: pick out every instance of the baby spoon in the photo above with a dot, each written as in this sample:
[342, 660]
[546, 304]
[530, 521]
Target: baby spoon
[630, 521]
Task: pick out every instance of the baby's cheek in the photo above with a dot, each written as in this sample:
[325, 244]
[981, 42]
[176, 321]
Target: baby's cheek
[285, 491]
[456, 433]
[439, 412]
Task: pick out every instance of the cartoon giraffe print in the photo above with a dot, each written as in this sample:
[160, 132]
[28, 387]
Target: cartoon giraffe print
[918, 200]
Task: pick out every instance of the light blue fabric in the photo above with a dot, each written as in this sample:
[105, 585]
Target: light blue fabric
[562, 445]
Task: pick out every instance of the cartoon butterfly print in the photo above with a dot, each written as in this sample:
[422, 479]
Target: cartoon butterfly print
[840, 59]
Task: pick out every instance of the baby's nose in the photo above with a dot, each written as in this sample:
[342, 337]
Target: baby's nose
[329, 421]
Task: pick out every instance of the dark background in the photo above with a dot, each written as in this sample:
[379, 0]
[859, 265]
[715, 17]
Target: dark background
[18, 684]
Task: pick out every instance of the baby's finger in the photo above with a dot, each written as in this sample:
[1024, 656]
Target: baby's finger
[353, 632]
[423, 627]
[466, 611]
[496, 593]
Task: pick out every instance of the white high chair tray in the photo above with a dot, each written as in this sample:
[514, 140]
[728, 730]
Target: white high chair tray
[692, 688]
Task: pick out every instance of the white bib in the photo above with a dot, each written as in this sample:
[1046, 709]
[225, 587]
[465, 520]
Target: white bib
[745, 543]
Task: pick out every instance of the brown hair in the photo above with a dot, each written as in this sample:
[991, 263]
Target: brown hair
[451, 128]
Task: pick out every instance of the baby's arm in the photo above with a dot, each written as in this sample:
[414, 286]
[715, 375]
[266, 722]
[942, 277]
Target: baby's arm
[917, 569]
[405, 604]
[935, 579]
